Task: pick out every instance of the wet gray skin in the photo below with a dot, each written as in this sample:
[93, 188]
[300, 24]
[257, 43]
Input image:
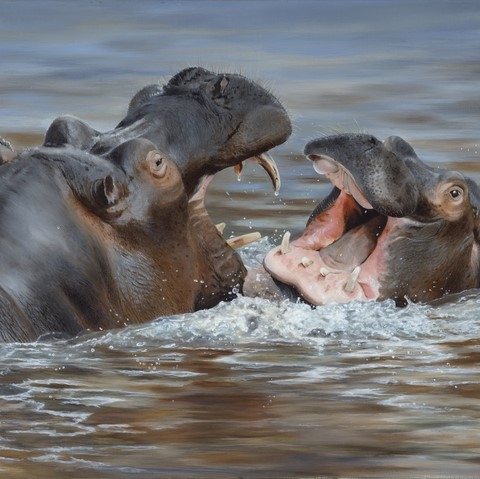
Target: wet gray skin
[393, 227]
[100, 230]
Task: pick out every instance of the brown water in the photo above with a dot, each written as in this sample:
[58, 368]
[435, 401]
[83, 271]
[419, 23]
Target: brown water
[253, 389]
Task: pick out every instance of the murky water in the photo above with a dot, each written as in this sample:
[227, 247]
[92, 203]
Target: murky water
[252, 388]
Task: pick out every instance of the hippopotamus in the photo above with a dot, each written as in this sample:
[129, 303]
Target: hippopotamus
[102, 230]
[392, 227]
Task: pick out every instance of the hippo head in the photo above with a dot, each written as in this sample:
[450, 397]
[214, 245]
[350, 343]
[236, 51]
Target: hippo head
[204, 122]
[392, 227]
[208, 122]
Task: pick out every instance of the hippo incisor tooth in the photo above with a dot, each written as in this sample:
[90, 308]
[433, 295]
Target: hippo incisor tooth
[324, 271]
[352, 280]
[284, 247]
[220, 227]
[243, 240]
[306, 261]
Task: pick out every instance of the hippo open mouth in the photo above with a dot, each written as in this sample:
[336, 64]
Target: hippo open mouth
[392, 227]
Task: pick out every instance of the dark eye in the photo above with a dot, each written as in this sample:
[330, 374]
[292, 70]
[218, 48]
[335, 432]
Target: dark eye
[456, 193]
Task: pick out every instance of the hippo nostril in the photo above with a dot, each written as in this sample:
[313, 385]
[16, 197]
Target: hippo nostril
[220, 86]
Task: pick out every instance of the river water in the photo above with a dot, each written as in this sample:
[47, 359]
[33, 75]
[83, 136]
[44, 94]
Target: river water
[253, 389]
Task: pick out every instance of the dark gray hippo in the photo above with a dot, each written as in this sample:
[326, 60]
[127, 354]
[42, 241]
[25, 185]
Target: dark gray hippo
[392, 227]
[101, 235]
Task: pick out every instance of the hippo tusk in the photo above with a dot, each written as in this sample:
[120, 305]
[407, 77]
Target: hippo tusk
[266, 161]
[284, 247]
[220, 227]
[324, 271]
[243, 240]
[306, 262]
[352, 280]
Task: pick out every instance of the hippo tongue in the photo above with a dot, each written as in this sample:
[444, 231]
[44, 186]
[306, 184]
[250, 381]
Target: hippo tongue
[354, 247]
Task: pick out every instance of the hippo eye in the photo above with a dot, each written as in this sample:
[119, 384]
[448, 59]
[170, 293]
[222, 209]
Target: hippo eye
[456, 193]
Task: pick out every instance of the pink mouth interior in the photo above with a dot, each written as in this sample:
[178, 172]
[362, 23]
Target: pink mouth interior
[339, 255]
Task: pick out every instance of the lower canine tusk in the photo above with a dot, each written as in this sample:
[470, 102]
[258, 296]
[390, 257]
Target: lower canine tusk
[284, 247]
[243, 240]
[324, 271]
[220, 227]
[352, 280]
[306, 261]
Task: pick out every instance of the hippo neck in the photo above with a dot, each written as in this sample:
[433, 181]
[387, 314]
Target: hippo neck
[157, 267]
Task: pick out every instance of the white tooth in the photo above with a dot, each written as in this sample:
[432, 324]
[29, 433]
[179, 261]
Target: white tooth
[306, 261]
[221, 227]
[352, 280]
[239, 241]
[285, 243]
[324, 271]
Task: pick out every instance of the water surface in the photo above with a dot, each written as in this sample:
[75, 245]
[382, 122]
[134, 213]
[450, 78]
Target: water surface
[253, 389]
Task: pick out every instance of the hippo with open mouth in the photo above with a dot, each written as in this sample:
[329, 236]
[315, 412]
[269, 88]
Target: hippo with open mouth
[101, 230]
[392, 228]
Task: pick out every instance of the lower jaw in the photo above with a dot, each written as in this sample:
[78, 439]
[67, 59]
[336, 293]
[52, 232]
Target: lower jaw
[305, 271]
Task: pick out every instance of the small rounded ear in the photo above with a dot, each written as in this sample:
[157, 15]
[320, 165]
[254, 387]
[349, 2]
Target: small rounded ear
[7, 152]
[474, 193]
[108, 193]
[144, 96]
[399, 147]
[156, 163]
[69, 130]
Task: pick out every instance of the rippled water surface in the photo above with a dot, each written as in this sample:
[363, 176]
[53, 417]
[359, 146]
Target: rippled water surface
[253, 388]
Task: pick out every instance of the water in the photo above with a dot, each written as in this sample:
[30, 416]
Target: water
[252, 388]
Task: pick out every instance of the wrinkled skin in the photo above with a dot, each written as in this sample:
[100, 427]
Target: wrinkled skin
[392, 227]
[100, 230]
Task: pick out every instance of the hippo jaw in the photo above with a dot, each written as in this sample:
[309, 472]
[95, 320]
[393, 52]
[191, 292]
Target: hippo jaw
[331, 261]
[408, 249]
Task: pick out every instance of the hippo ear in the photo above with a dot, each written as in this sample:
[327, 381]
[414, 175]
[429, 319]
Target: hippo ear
[69, 130]
[7, 153]
[157, 163]
[400, 148]
[474, 193]
[108, 194]
[144, 96]
[474, 197]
